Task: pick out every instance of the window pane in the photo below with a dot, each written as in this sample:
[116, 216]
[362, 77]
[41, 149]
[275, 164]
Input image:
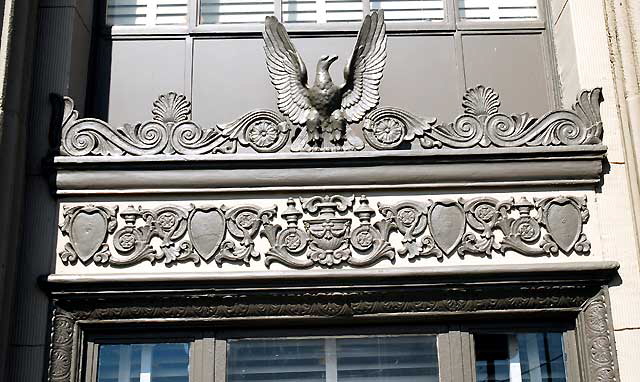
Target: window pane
[522, 357]
[276, 360]
[235, 11]
[371, 359]
[144, 363]
[496, 10]
[410, 10]
[146, 12]
[387, 359]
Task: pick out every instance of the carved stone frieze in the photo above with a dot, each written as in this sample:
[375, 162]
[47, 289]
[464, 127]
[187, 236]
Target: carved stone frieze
[171, 131]
[326, 231]
[482, 125]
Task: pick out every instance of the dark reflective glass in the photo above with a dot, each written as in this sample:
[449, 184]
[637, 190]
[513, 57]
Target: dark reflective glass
[521, 357]
[144, 363]
[344, 359]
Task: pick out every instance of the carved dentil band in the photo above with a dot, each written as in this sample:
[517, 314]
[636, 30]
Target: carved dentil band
[325, 231]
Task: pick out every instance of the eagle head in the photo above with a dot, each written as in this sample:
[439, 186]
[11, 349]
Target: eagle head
[326, 61]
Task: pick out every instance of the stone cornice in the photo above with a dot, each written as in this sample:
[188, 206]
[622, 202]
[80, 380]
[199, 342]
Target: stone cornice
[482, 147]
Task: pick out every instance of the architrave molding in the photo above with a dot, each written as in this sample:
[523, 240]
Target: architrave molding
[574, 291]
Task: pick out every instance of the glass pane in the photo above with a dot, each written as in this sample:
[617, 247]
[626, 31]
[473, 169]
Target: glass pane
[497, 10]
[144, 363]
[387, 359]
[522, 357]
[343, 359]
[410, 10]
[276, 360]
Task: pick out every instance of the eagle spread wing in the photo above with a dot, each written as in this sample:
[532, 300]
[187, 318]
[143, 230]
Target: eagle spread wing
[364, 71]
[287, 71]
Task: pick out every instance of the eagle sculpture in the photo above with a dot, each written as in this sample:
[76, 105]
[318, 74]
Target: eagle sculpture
[324, 108]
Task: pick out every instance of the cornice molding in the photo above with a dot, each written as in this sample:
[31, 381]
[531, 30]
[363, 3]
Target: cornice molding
[482, 147]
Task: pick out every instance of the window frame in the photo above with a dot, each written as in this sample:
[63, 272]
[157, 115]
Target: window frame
[451, 22]
[208, 347]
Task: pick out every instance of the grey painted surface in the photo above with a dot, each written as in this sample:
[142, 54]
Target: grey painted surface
[509, 63]
[423, 75]
[392, 169]
[140, 70]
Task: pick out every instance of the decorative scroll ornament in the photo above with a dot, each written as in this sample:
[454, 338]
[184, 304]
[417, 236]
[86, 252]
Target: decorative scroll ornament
[598, 343]
[327, 231]
[324, 109]
[483, 125]
[385, 128]
[171, 131]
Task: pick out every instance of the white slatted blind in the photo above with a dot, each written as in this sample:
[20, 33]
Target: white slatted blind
[321, 11]
[146, 12]
[410, 10]
[235, 11]
[498, 10]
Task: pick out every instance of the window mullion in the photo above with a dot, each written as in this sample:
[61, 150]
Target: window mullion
[277, 9]
[331, 359]
[321, 11]
[366, 7]
[152, 12]
[220, 360]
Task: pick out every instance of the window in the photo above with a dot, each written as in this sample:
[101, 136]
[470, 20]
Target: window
[146, 12]
[168, 362]
[343, 359]
[175, 12]
[498, 10]
[371, 354]
[521, 357]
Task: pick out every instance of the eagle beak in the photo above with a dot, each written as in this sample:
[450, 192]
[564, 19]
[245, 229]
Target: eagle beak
[331, 59]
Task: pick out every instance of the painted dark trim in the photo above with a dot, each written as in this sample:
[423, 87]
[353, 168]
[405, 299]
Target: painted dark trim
[567, 292]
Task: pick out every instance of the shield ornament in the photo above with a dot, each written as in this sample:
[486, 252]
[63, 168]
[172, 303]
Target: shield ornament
[447, 224]
[88, 232]
[564, 222]
[207, 228]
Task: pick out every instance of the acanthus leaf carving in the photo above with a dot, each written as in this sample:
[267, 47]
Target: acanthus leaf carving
[171, 130]
[329, 231]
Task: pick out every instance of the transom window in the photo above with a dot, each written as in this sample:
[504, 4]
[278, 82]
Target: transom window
[527, 356]
[176, 12]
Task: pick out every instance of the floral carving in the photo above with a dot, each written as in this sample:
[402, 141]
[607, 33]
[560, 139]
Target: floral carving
[262, 134]
[598, 341]
[331, 231]
[171, 108]
[171, 130]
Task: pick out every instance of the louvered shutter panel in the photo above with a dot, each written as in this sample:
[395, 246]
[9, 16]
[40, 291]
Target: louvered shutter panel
[146, 12]
[171, 12]
[127, 12]
[321, 11]
[235, 11]
[410, 10]
[498, 10]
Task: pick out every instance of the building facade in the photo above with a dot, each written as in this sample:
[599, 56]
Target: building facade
[187, 197]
